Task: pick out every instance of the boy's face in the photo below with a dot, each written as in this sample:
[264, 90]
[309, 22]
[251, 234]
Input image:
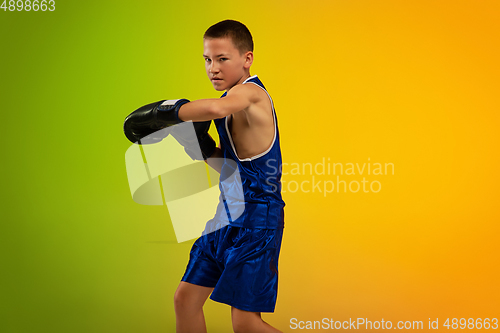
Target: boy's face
[224, 64]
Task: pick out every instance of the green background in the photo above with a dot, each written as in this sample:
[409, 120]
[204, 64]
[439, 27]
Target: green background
[78, 255]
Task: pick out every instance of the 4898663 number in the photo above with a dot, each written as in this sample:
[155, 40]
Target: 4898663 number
[28, 5]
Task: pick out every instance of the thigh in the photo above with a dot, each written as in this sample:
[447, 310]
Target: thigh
[241, 318]
[249, 281]
[191, 295]
[203, 269]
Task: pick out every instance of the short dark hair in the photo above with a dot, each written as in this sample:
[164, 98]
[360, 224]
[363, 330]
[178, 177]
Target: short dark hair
[237, 31]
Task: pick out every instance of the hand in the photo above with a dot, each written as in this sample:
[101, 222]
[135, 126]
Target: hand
[143, 124]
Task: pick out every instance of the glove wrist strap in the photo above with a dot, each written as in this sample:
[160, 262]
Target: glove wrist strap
[168, 111]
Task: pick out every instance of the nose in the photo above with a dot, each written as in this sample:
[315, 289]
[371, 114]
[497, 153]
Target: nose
[214, 68]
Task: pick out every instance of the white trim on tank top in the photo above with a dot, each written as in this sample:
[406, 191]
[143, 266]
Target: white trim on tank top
[274, 122]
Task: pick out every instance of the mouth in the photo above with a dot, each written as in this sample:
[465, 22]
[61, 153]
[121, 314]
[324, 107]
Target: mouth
[216, 79]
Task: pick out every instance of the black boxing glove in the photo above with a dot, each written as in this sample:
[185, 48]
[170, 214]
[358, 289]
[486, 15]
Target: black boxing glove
[203, 142]
[144, 124]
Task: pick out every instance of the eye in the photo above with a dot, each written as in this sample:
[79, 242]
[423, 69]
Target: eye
[207, 60]
[223, 59]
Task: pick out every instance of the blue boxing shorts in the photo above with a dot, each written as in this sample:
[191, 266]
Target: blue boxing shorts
[241, 264]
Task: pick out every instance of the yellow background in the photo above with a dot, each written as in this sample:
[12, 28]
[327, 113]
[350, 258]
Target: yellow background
[412, 83]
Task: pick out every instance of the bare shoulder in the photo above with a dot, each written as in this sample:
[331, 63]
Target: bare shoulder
[250, 91]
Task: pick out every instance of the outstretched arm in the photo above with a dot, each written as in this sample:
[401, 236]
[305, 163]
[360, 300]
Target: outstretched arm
[237, 99]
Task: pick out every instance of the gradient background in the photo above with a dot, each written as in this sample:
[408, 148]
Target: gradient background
[412, 83]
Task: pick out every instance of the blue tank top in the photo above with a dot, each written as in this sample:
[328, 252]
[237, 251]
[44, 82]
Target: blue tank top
[250, 198]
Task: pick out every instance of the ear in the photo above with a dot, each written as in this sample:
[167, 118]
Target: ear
[248, 59]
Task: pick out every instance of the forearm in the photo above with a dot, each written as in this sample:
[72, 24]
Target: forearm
[216, 160]
[199, 110]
